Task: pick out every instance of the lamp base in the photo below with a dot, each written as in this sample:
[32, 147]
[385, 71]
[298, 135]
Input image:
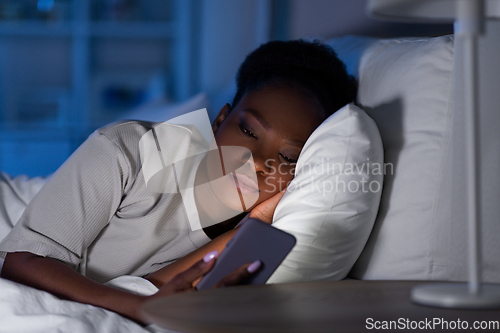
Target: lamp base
[457, 295]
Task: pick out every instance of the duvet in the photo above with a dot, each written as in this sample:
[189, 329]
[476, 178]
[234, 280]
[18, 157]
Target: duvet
[26, 310]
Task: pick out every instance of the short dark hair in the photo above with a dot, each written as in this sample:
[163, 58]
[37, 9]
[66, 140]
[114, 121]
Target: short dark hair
[311, 66]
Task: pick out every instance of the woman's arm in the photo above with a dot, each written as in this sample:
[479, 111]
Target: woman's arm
[64, 282]
[59, 279]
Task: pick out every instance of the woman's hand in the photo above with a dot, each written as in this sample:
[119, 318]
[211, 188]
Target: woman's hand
[265, 210]
[186, 281]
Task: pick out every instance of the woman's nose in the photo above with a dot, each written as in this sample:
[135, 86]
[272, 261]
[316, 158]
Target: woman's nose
[262, 165]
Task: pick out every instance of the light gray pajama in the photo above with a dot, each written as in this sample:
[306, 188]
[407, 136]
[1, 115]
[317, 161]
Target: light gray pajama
[96, 213]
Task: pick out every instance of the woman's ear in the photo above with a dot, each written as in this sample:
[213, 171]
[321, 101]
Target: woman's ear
[220, 117]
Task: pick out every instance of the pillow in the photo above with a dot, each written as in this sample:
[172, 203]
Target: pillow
[406, 86]
[331, 204]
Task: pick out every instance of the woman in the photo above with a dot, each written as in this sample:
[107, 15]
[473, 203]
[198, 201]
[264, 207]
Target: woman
[97, 215]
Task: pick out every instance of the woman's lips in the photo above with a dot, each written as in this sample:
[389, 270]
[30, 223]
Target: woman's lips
[244, 183]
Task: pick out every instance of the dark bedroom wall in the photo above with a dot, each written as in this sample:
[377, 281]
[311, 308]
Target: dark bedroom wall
[330, 18]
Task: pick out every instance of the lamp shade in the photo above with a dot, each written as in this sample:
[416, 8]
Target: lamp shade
[436, 11]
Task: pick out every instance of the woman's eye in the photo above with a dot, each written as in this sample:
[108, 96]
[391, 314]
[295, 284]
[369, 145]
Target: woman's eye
[288, 159]
[246, 131]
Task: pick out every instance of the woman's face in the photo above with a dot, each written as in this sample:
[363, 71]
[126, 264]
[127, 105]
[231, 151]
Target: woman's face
[273, 124]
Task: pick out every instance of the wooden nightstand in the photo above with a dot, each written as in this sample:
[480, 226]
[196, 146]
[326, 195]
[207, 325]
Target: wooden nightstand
[330, 306]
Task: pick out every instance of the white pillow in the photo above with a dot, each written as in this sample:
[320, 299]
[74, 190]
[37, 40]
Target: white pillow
[405, 85]
[331, 204]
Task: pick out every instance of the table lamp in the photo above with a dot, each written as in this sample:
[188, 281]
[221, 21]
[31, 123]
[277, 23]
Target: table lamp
[468, 17]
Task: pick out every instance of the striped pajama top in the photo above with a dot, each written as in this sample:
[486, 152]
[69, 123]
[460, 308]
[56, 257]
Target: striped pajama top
[97, 215]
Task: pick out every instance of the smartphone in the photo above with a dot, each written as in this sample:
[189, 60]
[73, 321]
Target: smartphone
[255, 240]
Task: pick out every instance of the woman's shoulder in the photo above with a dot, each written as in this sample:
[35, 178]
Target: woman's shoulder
[125, 136]
[130, 128]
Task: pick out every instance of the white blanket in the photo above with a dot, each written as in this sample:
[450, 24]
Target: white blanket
[26, 310]
[15, 194]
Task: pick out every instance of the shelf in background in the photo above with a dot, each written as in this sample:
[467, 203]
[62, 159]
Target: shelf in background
[69, 46]
[95, 29]
[36, 28]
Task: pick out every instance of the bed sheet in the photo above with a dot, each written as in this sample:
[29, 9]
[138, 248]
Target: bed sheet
[27, 310]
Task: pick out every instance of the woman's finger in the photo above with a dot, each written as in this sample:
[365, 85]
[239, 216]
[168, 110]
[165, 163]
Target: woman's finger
[239, 276]
[184, 281]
